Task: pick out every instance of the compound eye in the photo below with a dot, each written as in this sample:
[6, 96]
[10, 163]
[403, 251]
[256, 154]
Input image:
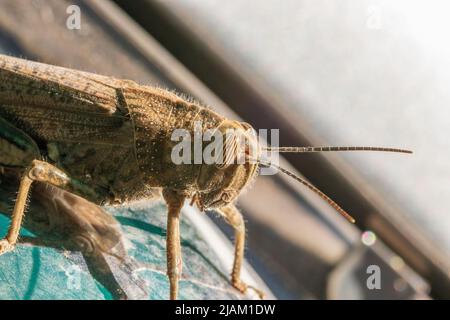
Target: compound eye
[247, 126]
[227, 196]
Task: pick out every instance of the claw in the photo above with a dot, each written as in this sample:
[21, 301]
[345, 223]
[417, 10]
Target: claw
[260, 293]
[243, 287]
[5, 246]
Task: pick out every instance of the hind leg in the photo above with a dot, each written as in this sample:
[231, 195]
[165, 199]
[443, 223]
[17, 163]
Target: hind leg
[8, 243]
[44, 172]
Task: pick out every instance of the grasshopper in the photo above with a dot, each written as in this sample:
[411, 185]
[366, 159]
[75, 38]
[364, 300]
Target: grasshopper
[109, 141]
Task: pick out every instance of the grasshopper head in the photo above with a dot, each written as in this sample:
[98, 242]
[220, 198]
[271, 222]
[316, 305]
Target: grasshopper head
[221, 182]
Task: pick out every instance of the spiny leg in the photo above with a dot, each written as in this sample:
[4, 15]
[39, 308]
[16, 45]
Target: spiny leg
[44, 172]
[234, 218]
[173, 248]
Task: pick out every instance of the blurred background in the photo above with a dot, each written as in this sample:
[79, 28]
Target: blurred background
[370, 73]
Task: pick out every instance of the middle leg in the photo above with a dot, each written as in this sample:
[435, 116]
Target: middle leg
[174, 202]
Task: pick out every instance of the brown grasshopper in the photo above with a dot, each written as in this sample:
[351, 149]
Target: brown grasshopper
[109, 141]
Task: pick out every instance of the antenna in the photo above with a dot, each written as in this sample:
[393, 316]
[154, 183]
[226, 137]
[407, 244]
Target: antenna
[312, 188]
[322, 149]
